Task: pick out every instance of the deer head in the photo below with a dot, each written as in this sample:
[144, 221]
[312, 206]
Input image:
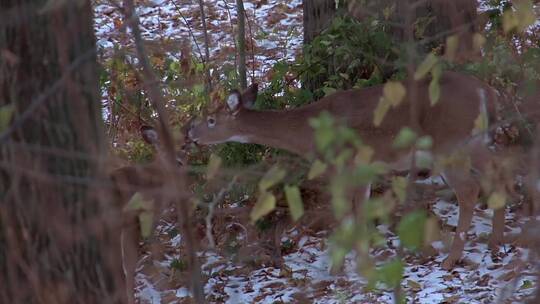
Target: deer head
[225, 123]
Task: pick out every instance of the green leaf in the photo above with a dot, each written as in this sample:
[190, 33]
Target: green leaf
[424, 159]
[214, 163]
[328, 91]
[292, 193]
[497, 200]
[394, 92]
[405, 138]
[391, 273]
[399, 187]
[324, 130]
[272, 177]
[426, 66]
[6, 112]
[265, 204]
[411, 230]
[340, 203]
[526, 285]
[424, 142]
[317, 169]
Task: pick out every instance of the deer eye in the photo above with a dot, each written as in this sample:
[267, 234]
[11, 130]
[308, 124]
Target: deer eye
[211, 122]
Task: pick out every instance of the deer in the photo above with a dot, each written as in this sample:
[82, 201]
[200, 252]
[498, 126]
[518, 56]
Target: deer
[450, 123]
[148, 180]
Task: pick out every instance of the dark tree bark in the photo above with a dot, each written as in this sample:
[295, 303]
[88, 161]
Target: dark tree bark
[56, 245]
[242, 75]
[318, 14]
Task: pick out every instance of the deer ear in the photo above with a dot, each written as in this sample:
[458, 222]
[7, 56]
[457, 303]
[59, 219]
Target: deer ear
[150, 135]
[233, 101]
[249, 96]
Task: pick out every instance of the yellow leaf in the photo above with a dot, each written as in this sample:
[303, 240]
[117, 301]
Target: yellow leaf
[364, 155]
[510, 21]
[426, 66]
[317, 169]
[294, 199]
[434, 91]
[431, 230]
[394, 92]
[452, 43]
[6, 112]
[497, 200]
[146, 219]
[380, 111]
[265, 204]
[399, 187]
[525, 14]
[520, 18]
[478, 41]
[214, 163]
[480, 123]
[413, 285]
[272, 177]
[138, 203]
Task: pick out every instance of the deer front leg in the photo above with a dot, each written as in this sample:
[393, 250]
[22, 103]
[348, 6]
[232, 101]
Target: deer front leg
[497, 234]
[467, 190]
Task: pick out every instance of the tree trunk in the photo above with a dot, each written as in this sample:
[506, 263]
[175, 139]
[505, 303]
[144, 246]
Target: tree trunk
[56, 245]
[241, 44]
[318, 14]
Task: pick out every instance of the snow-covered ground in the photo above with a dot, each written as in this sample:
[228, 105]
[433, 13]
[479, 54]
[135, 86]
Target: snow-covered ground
[276, 28]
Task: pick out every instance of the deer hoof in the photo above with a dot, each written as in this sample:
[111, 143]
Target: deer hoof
[449, 263]
[494, 244]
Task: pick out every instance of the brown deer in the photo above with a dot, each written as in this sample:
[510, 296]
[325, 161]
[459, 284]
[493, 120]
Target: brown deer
[149, 181]
[450, 124]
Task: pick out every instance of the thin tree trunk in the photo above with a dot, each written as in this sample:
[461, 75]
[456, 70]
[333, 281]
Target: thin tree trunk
[56, 239]
[206, 48]
[241, 44]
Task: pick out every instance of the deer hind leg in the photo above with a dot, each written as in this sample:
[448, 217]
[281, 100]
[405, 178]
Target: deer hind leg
[467, 190]
[497, 234]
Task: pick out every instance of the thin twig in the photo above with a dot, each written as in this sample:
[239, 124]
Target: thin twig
[211, 207]
[190, 30]
[154, 94]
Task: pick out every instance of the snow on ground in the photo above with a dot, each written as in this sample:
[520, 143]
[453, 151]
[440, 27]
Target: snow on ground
[274, 26]
[479, 278]
[277, 30]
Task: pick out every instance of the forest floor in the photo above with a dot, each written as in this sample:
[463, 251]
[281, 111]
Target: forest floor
[482, 276]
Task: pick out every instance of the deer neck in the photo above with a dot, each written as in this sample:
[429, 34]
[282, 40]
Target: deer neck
[287, 130]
